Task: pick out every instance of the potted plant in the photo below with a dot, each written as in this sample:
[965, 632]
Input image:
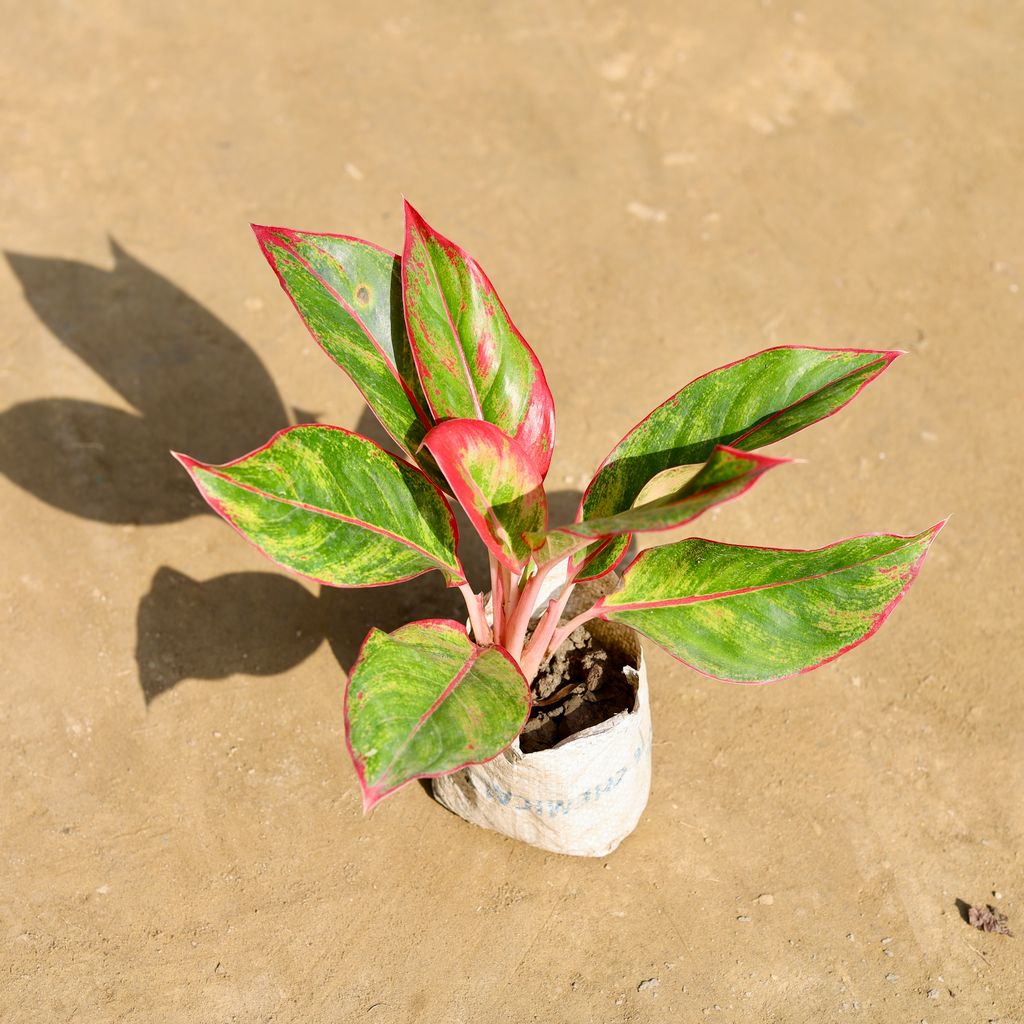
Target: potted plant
[532, 718]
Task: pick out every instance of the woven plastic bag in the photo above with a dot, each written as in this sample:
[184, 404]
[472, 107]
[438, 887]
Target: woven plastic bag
[582, 796]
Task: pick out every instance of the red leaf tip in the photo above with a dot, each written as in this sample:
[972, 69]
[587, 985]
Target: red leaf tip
[412, 214]
[371, 797]
[765, 461]
[266, 234]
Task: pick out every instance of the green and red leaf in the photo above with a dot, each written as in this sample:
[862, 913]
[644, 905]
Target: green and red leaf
[752, 614]
[334, 507]
[726, 475]
[498, 484]
[349, 294]
[746, 404]
[472, 361]
[424, 701]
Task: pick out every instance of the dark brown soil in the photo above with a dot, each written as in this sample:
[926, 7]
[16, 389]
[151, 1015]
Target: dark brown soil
[583, 684]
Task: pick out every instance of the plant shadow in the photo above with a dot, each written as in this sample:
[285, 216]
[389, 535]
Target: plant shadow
[194, 385]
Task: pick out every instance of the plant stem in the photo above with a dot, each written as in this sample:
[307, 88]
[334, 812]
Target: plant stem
[510, 591]
[475, 605]
[497, 599]
[560, 635]
[537, 650]
[520, 620]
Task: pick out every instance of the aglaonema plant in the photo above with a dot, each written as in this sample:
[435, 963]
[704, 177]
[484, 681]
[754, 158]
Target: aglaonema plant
[428, 343]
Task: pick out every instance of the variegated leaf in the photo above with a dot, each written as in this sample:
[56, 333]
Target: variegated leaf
[425, 701]
[727, 474]
[472, 361]
[349, 293]
[497, 483]
[335, 507]
[746, 404]
[758, 614]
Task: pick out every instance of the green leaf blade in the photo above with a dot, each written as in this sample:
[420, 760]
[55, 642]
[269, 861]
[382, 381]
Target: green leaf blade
[758, 614]
[473, 363]
[745, 405]
[334, 507]
[424, 701]
[348, 293]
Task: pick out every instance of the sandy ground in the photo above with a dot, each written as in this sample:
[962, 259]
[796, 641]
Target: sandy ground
[654, 194]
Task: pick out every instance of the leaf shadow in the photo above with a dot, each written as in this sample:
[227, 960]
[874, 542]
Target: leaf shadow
[192, 383]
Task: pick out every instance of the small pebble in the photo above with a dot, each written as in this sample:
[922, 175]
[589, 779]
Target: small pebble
[645, 212]
[648, 985]
[892, 977]
[766, 899]
[887, 940]
[934, 993]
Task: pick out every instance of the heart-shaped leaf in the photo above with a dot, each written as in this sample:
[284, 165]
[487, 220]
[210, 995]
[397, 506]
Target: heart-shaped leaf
[497, 483]
[425, 701]
[746, 404]
[335, 507]
[472, 361]
[757, 614]
[726, 475]
[349, 293]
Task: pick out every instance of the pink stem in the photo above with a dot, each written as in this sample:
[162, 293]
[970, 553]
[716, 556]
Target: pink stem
[475, 604]
[497, 599]
[537, 649]
[560, 635]
[520, 620]
[510, 592]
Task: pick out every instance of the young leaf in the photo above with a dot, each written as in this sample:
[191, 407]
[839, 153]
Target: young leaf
[425, 701]
[746, 404]
[334, 507]
[726, 475]
[497, 483]
[472, 361]
[349, 294]
[757, 614]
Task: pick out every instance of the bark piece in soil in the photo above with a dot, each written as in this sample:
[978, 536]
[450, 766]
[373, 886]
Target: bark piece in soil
[583, 684]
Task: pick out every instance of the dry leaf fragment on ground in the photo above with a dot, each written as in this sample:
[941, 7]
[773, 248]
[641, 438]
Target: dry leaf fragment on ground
[988, 919]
